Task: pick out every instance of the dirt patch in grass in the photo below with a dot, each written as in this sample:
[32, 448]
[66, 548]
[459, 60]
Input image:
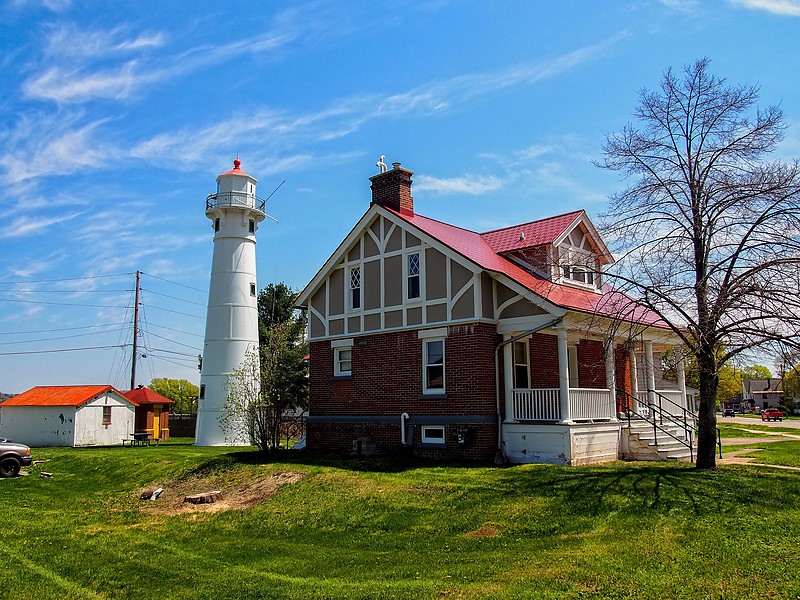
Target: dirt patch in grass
[235, 496]
[488, 530]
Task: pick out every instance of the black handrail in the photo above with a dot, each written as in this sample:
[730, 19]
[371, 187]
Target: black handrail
[654, 422]
[687, 428]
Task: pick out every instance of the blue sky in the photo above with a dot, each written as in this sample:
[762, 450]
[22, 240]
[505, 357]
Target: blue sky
[116, 117]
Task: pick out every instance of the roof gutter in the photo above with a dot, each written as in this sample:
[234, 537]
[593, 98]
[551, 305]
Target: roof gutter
[500, 454]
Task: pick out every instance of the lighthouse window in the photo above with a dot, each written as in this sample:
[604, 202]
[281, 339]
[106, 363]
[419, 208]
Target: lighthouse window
[252, 226]
[203, 391]
[355, 287]
[216, 224]
[253, 290]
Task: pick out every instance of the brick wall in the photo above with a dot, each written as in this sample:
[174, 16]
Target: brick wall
[591, 364]
[387, 381]
[622, 360]
[544, 361]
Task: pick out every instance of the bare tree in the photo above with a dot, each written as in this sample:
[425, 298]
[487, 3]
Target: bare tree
[708, 233]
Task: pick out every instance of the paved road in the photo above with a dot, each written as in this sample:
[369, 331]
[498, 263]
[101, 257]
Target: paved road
[793, 423]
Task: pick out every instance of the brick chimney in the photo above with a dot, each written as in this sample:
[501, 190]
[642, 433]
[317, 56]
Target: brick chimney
[392, 189]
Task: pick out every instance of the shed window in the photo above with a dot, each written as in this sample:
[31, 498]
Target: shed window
[106, 415]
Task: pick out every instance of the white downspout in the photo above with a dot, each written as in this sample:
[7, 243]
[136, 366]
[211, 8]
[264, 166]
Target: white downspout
[497, 373]
[403, 418]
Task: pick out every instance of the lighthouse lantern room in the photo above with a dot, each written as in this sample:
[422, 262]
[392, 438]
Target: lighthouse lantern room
[232, 318]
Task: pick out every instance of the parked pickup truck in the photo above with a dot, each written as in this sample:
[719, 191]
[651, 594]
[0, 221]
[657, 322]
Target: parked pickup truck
[771, 414]
[12, 457]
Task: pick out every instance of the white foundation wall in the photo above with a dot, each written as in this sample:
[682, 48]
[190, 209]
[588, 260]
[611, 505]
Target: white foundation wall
[89, 427]
[38, 425]
[579, 444]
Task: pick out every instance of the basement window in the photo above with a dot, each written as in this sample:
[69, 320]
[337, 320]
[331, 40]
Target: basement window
[106, 415]
[433, 434]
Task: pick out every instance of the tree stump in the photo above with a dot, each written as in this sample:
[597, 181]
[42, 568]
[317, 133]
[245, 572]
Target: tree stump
[204, 498]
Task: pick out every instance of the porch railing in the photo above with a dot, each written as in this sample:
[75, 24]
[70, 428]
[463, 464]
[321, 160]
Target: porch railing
[544, 404]
[541, 404]
[671, 402]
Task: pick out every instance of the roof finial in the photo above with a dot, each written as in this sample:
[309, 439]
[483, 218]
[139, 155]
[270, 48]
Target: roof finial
[382, 165]
[236, 162]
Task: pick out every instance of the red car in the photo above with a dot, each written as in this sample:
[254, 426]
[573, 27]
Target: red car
[771, 414]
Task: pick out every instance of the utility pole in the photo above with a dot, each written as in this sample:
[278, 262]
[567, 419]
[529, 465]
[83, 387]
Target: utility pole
[135, 332]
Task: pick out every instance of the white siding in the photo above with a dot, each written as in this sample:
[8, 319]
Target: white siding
[38, 425]
[89, 427]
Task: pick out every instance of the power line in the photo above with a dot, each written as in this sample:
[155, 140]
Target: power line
[173, 297]
[173, 341]
[62, 337]
[60, 329]
[69, 278]
[15, 291]
[176, 283]
[60, 303]
[61, 350]
[177, 312]
[172, 352]
[173, 329]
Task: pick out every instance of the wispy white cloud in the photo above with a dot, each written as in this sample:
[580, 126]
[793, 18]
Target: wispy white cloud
[26, 225]
[779, 7]
[473, 186]
[77, 85]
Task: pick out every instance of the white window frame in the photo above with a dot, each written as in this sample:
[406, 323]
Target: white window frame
[572, 356]
[425, 430]
[571, 257]
[103, 415]
[426, 365]
[340, 346]
[526, 364]
[351, 288]
[407, 268]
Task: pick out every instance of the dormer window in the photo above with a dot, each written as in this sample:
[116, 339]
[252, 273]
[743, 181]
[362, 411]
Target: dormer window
[577, 266]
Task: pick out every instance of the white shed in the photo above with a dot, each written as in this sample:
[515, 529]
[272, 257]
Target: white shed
[68, 415]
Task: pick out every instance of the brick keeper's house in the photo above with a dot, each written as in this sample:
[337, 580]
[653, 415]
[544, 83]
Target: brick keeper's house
[442, 342]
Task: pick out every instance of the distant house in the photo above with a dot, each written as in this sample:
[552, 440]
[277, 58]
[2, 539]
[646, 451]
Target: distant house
[152, 412]
[68, 415]
[435, 340]
[763, 392]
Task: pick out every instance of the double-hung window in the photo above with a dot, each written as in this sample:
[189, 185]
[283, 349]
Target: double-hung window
[433, 366]
[577, 265]
[342, 357]
[343, 361]
[412, 289]
[355, 288]
[521, 373]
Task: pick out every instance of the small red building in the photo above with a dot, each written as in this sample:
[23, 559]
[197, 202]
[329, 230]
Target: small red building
[152, 412]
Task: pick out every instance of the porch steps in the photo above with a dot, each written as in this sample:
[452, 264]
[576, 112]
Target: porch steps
[640, 443]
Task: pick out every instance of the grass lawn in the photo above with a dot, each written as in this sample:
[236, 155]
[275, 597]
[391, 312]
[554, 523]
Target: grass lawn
[348, 528]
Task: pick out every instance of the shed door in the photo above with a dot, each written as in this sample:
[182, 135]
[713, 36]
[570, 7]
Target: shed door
[156, 422]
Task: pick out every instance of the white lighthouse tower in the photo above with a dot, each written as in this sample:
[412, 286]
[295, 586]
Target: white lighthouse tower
[232, 318]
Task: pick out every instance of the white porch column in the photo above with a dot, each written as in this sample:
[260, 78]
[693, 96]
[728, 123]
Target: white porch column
[508, 378]
[682, 382]
[651, 374]
[634, 376]
[611, 377]
[563, 374]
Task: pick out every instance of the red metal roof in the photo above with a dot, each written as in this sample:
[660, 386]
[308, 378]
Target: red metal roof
[475, 247]
[60, 395]
[235, 170]
[145, 395]
[535, 233]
